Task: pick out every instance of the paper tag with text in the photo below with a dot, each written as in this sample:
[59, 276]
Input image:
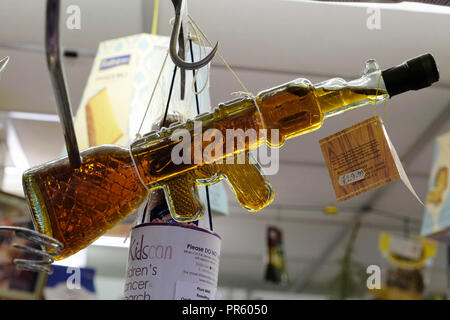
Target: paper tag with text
[361, 158]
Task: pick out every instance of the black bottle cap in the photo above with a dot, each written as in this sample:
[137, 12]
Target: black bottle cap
[414, 74]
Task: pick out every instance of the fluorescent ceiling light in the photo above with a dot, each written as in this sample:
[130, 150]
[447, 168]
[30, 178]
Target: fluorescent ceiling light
[108, 241]
[33, 116]
[15, 148]
[13, 171]
[405, 6]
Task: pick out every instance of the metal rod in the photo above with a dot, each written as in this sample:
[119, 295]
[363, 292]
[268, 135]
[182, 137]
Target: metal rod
[58, 81]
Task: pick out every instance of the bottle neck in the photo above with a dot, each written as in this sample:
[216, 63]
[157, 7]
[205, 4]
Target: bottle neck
[336, 96]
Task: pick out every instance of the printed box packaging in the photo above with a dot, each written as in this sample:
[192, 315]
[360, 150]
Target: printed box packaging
[436, 220]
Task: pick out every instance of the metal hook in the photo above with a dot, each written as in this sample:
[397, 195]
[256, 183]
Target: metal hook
[177, 32]
[58, 81]
[182, 55]
[44, 258]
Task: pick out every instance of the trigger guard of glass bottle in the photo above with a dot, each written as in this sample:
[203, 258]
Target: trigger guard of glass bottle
[248, 183]
[194, 198]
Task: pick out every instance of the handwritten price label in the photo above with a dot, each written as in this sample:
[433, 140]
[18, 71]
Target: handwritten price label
[351, 177]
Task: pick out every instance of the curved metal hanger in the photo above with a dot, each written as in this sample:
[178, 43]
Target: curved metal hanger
[178, 35]
[36, 259]
[59, 82]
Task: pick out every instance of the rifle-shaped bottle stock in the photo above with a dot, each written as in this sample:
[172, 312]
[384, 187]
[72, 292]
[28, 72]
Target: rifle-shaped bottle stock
[76, 206]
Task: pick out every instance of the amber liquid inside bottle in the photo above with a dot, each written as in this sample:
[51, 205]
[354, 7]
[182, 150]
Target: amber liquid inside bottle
[76, 206]
[292, 110]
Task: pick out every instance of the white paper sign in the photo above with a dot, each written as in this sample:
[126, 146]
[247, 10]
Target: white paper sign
[401, 169]
[407, 248]
[172, 261]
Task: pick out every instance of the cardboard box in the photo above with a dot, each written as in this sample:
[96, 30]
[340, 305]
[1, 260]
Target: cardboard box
[119, 87]
[436, 220]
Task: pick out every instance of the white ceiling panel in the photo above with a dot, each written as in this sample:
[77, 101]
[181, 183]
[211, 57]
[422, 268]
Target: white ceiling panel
[23, 21]
[316, 38]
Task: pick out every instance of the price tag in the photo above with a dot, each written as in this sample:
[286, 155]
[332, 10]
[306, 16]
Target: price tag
[351, 177]
[361, 158]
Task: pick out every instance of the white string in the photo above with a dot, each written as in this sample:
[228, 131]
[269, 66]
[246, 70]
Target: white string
[137, 170]
[153, 93]
[138, 216]
[220, 56]
[246, 93]
[252, 97]
[202, 46]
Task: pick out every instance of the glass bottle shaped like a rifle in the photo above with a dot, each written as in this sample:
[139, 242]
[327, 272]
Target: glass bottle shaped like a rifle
[76, 206]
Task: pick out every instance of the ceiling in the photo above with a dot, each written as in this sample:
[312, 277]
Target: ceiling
[267, 43]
